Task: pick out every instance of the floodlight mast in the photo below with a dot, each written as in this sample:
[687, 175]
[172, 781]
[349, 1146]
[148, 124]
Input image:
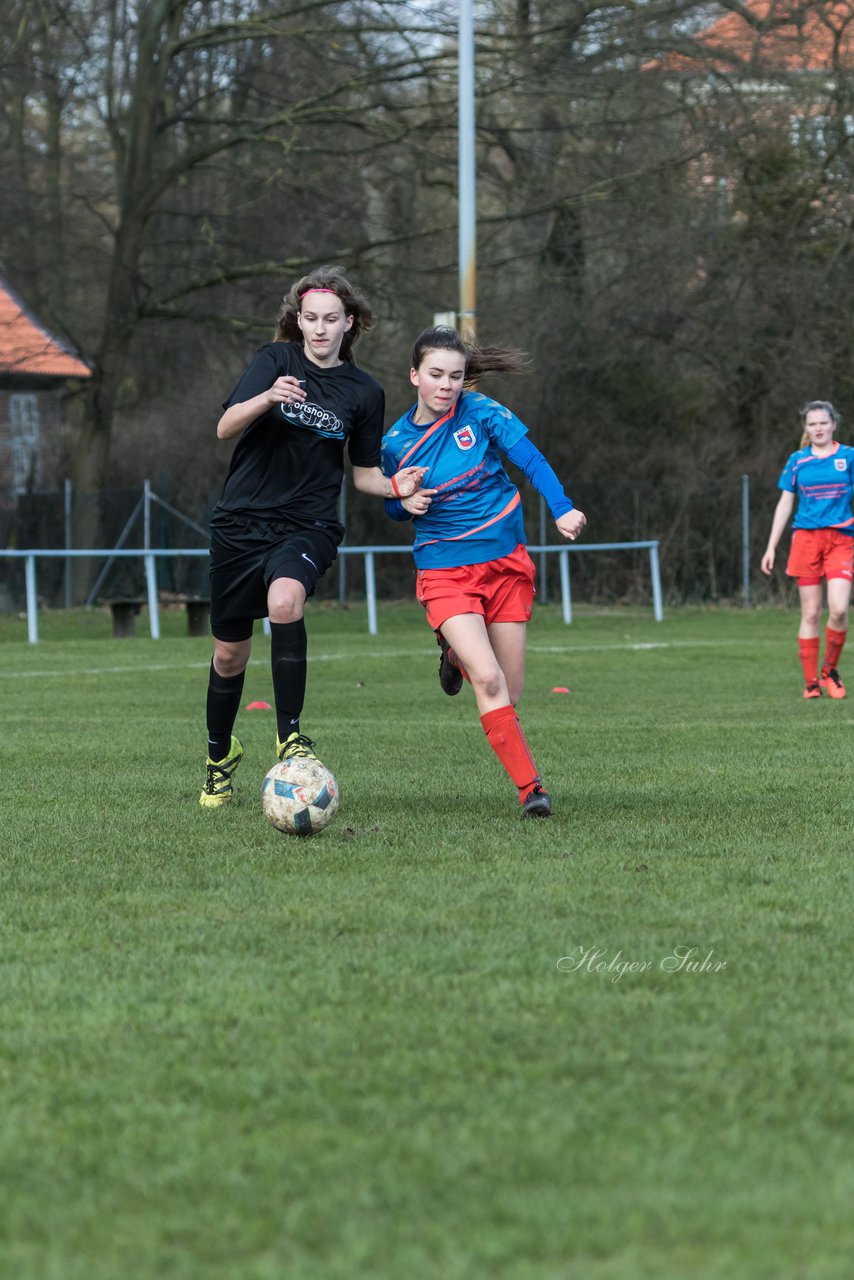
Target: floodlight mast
[466, 182]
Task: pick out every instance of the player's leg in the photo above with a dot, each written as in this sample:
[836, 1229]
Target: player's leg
[469, 638]
[508, 645]
[237, 597]
[225, 687]
[455, 601]
[288, 660]
[806, 565]
[444, 593]
[509, 596]
[838, 601]
[808, 641]
[451, 671]
[293, 569]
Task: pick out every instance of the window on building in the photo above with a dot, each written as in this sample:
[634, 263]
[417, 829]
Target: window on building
[26, 455]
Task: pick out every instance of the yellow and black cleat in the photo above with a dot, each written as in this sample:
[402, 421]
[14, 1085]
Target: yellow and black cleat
[218, 790]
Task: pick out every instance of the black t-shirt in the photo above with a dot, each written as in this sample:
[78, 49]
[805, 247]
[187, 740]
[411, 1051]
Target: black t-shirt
[289, 462]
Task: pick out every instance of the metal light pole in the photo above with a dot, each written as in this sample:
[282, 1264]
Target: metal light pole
[467, 197]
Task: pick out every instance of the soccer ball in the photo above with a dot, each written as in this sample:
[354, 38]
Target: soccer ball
[299, 797]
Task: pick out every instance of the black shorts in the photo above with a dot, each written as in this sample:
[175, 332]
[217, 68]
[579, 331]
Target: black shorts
[248, 553]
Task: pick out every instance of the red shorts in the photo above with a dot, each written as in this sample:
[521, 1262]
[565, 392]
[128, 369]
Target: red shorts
[820, 553]
[500, 590]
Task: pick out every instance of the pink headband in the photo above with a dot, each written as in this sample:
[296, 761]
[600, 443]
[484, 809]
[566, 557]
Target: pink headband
[312, 289]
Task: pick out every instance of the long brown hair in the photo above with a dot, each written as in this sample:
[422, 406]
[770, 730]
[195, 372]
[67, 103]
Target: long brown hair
[479, 360]
[333, 280]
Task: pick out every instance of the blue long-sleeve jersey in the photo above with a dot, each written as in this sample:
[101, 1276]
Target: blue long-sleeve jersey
[476, 513]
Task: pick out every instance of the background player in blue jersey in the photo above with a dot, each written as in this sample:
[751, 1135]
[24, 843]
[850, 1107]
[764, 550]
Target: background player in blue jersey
[821, 474]
[275, 530]
[475, 577]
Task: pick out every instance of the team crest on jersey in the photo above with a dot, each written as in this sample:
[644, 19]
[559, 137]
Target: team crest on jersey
[840, 464]
[465, 438]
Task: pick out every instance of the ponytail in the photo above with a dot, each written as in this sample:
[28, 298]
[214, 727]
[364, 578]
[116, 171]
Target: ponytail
[479, 360]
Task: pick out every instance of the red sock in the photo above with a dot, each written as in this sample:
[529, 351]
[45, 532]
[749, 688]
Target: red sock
[808, 654]
[505, 736]
[834, 642]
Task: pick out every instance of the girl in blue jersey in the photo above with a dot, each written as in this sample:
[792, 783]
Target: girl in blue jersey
[475, 577]
[821, 473]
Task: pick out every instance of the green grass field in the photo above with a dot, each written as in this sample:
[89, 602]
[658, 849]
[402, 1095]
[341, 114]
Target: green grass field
[387, 1052]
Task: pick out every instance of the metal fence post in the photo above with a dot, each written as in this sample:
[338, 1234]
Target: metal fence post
[151, 584]
[32, 600]
[655, 574]
[371, 592]
[565, 590]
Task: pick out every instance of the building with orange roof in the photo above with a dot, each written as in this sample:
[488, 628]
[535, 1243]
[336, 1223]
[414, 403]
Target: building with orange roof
[773, 65]
[35, 369]
[772, 38]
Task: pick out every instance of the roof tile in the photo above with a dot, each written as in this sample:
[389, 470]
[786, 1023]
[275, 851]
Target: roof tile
[27, 347]
[792, 35]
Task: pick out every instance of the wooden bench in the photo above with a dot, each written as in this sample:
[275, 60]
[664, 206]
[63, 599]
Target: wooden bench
[198, 615]
[124, 610]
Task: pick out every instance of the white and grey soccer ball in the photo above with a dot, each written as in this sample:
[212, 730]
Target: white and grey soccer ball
[299, 797]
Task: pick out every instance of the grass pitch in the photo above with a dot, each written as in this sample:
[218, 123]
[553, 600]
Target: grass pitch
[435, 1041]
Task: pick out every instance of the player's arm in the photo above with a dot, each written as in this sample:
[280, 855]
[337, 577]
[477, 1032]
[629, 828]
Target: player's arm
[365, 444]
[401, 485]
[237, 417]
[569, 521]
[782, 511]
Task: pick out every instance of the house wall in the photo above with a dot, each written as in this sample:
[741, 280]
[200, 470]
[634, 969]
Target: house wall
[30, 422]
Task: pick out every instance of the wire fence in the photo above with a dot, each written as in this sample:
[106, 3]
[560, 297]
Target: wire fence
[711, 538]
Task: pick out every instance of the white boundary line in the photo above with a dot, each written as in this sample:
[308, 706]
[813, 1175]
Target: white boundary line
[568, 650]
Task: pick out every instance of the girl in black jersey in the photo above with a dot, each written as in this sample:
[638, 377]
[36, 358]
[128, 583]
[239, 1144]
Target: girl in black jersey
[275, 530]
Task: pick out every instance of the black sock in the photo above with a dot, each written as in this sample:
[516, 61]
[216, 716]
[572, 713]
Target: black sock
[223, 705]
[288, 648]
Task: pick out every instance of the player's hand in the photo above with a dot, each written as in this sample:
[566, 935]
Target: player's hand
[408, 481]
[571, 523]
[767, 562]
[419, 502]
[286, 390]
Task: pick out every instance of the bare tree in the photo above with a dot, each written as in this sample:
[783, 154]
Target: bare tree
[165, 121]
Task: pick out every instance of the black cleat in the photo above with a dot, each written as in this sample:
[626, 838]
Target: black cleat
[450, 676]
[537, 803]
